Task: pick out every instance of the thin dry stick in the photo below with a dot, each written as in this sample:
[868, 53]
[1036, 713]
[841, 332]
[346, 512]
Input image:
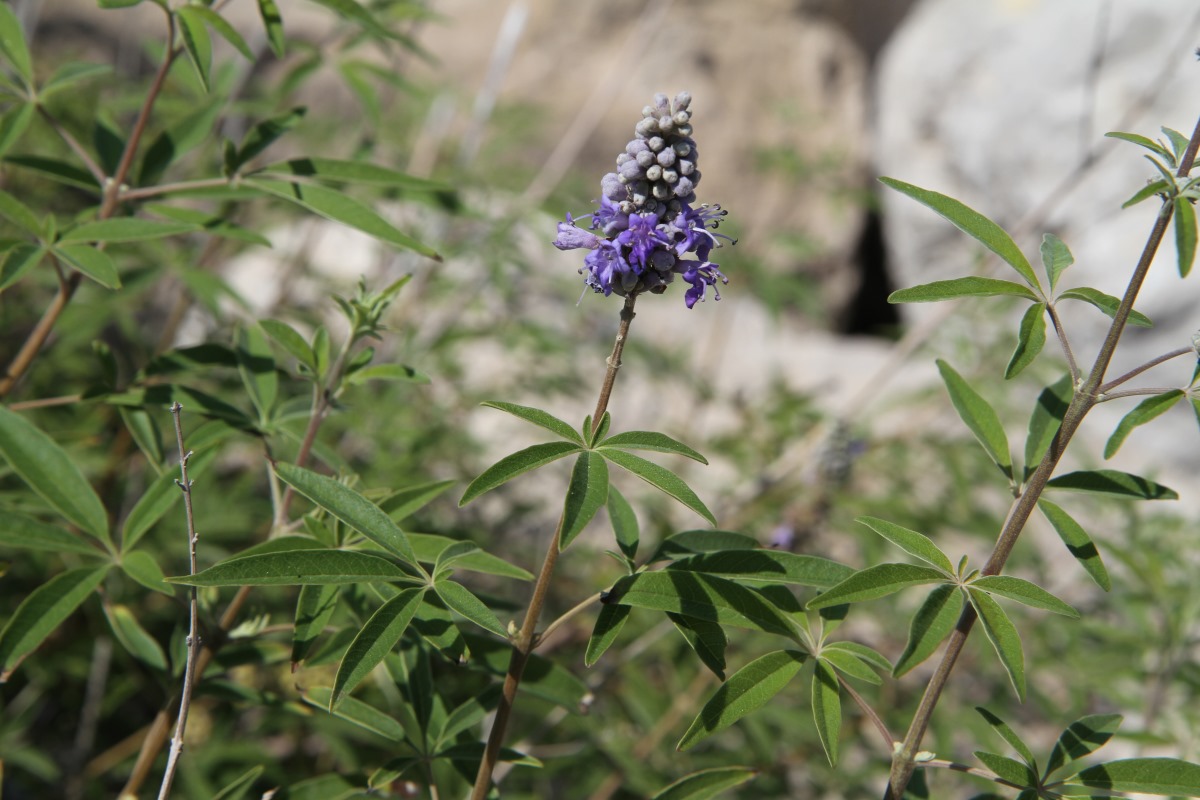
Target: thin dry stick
[527, 636]
[193, 639]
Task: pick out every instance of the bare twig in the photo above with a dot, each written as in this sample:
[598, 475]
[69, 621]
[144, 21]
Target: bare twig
[1133, 373]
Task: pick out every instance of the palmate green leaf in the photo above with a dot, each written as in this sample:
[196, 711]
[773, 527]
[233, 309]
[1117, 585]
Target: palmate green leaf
[875, 582]
[314, 608]
[516, 464]
[133, 637]
[460, 599]
[18, 260]
[334, 205]
[624, 522]
[355, 711]
[93, 263]
[142, 567]
[747, 690]
[979, 417]
[350, 507]
[27, 533]
[1004, 638]
[298, 568]
[43, 610]
[687, 543]
[290, 340]
[125, 229]
[1082, 737]
[971, 222]
[374, 641]
[1009, 735]
[196, 42]
[19, 214]
[1078, 543]
[706, 783]
[1056, 257]
[52, 474]
[1114, 483]
[1106, 303]
[429, 547]
[1148, 409]
[1031, 338]
[1185, 234]
[1162, 776]
[932, 623]
[850, 664]
[273, 23]
[586, 495]
[961, 287]
[239, 787]
[911, 542]
[12, 45]
[827, 709]
[340, 171]
[1008, 769]
[702, 596]
[161, 496]
[770, 566]
[540, 418]
[609, 623]
[1045, 421]
[649, 440]
[1023, 592]
[706, 638]
[660, 478]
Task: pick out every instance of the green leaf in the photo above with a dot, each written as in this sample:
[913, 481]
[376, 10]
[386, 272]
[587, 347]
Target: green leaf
[273, 23]
[386, 372]
[850, 664]
[223, 28]
[1159, 187]
[701, 541]
[376, 639]
[27, 533]
[17, 261]
[69, 74]
[1004, 638]
[540, 418]
[1025, 592]
[93, 263]
[43, 610]
[1163, 776]
[1009, 735]
[1045, 421]
[747, 690]
[314, 608]
[971, 222]
[145, 432]
[52, 474]
[429, 547]
[979, 416]
[1140, 141]
[1008, 769]
[133, 637]
[297, 568]
[1148, 409]
[911, 542]
[609, 623]
[706, 783]
[1114, 483]
[648, 440]
[1031, 338]
[702, 596]
[516, 464]
[542, 678]
[357, 712]
[624, 522]
[160, 497]
[1082, 737]
[264, 134]
[472, 753]
[196, 42]
[586, 494]
[239, 786]
[125, 229]
[447, 559]
[1185, 234]
[257, 369]
[827, 709]
[12, 45]
[961, 287]
[290, 340]
[13, 125]
[861, 651]
[771, 566]
[875, 582]
[437, 626]
[1106, 303]
[468, 714]
[357, 13]
[142, 567]
[1056, 257]
[333, 205]
[340, 171]
[19, 214]
[932, 623]
[460, 599]
[53, 168]
[706, 638]
[1078, 542]
[660, 478]
[350, 507]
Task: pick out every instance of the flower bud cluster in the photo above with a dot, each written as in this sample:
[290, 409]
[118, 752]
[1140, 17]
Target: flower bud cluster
[646, 222]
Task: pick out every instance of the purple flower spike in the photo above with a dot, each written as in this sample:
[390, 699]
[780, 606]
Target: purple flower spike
[645, 222]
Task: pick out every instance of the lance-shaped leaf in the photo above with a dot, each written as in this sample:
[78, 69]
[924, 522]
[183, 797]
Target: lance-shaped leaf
[263, 135]
[133, 637]
[827, 709]
[125, 229]
[196, 42]
[609, 623]
[1008, 769]
[875, 582]
[298, 568]
[686, 543]
[222, 28]
[350, 507]
[1140, 141]
[771, 566]
[702, 596]
[861, 651]
[411, 499]
[18, 260]
[1082, 737]
[341, 171]
[1031, 338]
[1148, 409]
[239, 787]
[19, 214]
[624, 522]
[1023, 592]
[469, 713]
[430, 546]
[472, 752]
[93, 263]
[971, 222]
[1004, 638]
[586, 494]
[273, 23]
[706, 784]
[911, 542]
[1106, 303]
[1009, 735]
[979, 416]
[357, 712]
[376, 639]
[1114, 483]
[542, 678]
[649, 440]
[314, 608]
[13, 47]
[850, 664]
[42, 611]
[460, 599]
[516, 464]
[706, 638]
[660, 478]
[142, 567]
[1056, 257]
[1045, 421]
[1185, 234]
[27, 533]
[446, 560]
[52, 474]
[1162, 776]
[961, 287]
[1078, 543]
[932, 623]
[386, 372]
[290, 340]
[257, 369]
[540, 418]
[747, 690]
[1159, 187]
